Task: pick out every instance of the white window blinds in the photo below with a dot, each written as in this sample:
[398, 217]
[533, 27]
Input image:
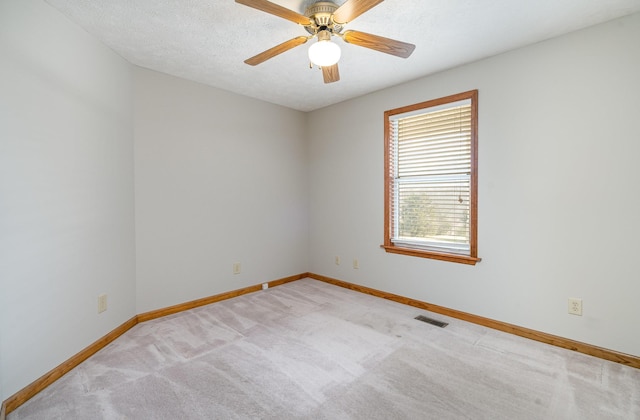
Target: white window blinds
[431, 164]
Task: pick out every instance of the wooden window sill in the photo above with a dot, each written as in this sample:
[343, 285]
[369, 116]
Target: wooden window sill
[462, 259]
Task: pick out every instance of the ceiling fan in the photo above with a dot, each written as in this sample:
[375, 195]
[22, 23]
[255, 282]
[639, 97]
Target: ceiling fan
[323, 20]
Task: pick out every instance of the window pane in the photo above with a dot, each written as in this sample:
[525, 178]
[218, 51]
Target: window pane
[436, 211]
[434, 143]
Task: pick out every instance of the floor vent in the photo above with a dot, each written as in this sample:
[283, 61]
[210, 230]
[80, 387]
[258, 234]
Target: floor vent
[431, 321]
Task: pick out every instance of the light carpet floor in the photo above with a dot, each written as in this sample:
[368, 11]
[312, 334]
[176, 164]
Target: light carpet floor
[311, 350]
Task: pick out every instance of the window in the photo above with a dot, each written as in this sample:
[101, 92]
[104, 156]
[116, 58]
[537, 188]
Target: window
[431, 176]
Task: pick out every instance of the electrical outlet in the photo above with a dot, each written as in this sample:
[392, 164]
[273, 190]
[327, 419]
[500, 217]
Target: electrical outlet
[236, 268]
[337, 260]
[575, 306]
[356, 263]
[265, 286]
[102, 303]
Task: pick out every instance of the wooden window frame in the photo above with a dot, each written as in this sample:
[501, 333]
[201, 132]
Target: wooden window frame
[388, 245]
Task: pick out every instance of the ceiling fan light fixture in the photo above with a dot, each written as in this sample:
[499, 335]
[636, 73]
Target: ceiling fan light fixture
[324, 53]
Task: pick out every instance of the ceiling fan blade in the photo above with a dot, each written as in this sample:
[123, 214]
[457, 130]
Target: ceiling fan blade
[379, 43]
[278, 49]
[277, 10]
[330, 74]
[352, 9]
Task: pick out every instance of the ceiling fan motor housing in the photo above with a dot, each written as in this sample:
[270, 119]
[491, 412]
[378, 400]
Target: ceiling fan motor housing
[320, 14]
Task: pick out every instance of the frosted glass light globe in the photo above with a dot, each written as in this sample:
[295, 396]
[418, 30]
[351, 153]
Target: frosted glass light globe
[324, 53]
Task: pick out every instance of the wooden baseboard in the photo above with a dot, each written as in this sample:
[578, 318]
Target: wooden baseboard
[602, 353]
[20, 397]
[280, 282]
[147, 316]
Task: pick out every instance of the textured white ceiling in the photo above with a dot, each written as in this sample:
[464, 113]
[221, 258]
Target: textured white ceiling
[208, 40]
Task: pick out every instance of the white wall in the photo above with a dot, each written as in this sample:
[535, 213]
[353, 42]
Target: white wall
[558, 189]
[220, 178]
[66, 191]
